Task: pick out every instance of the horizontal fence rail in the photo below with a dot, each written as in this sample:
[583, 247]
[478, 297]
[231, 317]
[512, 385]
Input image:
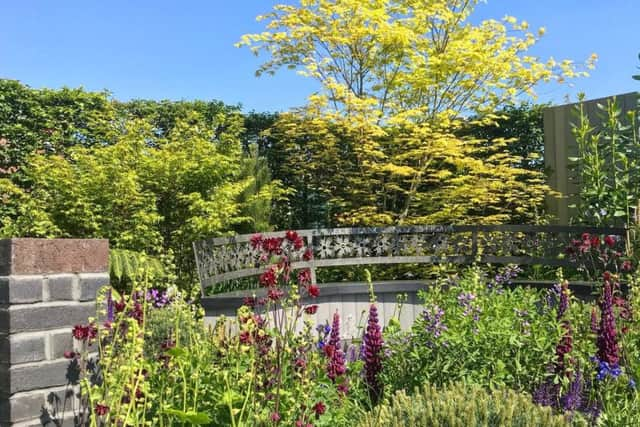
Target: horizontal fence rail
[228, 258]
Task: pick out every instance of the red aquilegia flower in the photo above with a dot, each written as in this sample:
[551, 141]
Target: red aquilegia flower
[269, 278]
[304, 277]
[373, 355]
[319, 408]
[311, 309]
[101, 409]
[314, 291]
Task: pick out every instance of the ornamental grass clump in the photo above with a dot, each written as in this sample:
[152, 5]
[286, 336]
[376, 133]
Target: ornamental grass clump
[460, 405]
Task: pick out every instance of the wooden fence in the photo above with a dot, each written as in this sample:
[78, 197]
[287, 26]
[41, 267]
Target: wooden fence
[560, 145]
[231, 258]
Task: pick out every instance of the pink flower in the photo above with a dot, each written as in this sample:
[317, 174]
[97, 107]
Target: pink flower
[275, 417]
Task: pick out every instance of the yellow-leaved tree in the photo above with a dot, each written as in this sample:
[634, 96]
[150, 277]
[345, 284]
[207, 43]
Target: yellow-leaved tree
[400, 79]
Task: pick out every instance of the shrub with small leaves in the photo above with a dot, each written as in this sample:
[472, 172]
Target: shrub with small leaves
[464, 405]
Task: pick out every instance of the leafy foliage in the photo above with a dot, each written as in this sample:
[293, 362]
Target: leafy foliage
[606, 165]
[466, 318]
[146, 193]
[396, 86]
[50, 121]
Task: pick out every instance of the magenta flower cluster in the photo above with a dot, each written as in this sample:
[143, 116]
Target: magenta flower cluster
[372, 354]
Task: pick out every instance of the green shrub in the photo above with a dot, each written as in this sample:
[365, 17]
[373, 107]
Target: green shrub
[465, 406]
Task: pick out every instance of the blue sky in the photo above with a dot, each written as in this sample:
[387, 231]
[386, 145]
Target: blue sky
[184, 50]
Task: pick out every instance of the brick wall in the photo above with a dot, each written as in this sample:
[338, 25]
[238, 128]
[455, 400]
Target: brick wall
[46, 287]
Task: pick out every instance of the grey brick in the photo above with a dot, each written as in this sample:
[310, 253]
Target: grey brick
[22, 348]
[33, 376]
[53, 315]
[61, 287]
[90, 283]
[22, 407]
[59, 342]
[20, 289]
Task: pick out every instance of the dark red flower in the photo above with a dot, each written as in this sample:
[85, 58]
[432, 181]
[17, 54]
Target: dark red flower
[249, 302]
[343, 387]
[606, 276]
[256, 241]
[586, 237]
[610, 241]
[595, 241]
[307, 255]
[101, 409]
[272, 245]
[626, 265]
[245, 337]
[80, 332]
[292, 236]
[69, 354]
[311, 309]
[319, 408]
[275, 294]
[269, 278]
[313, 290]
[304, 277]
[120, 306]
[301, 364]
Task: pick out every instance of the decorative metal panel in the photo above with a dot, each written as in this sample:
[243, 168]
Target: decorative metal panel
[220, 259]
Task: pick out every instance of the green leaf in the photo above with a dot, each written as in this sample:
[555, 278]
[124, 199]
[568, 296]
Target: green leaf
[191, 417]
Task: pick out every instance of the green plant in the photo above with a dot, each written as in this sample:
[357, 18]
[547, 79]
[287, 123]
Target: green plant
[476, 330]
[608, 156]
[462, 405]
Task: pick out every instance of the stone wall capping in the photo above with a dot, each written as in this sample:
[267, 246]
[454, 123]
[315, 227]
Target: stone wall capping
[50, 256]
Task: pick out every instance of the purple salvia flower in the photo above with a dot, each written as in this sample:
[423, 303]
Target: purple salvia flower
[573, 399]
[546, 394]
[373, 343]
[607, 341]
